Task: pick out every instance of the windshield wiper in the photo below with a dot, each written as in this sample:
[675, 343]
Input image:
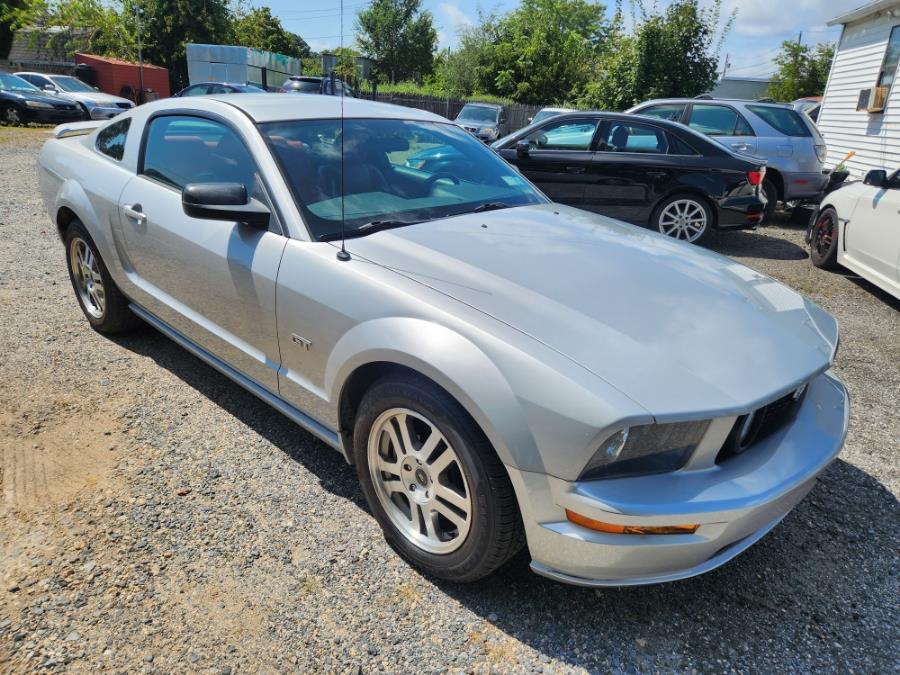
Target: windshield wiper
[490, 206]
[369, 228]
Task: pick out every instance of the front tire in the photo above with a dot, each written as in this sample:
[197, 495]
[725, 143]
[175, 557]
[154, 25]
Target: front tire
[823, 240]
[684, 216]
[10, 115]
[103, 304]
[433, 482]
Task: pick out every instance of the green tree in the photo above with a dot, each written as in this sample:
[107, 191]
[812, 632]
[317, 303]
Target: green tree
[802, 71]
[400, 35]
[256, 27]
[669, 53]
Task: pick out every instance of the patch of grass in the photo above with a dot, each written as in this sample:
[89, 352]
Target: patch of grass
[18, 134]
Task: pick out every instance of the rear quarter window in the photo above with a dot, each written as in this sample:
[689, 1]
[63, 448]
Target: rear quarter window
[784, 120]
[111, 140]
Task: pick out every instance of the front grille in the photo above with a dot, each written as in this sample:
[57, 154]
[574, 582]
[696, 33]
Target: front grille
[126, 106]
[760, 424]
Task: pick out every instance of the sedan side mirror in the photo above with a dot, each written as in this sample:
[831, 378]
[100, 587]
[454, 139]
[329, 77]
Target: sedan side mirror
[876, 177]
[50, 88]
[523, 148]
[224, 201]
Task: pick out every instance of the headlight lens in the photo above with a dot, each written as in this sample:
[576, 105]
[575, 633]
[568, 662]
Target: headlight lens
[490, 132]
[38, 104]
[652, 448]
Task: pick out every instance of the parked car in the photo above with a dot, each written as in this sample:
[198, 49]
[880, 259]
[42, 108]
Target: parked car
[500, 369]
[310, 84]
[487, 121]
[653, 173]
[209, 88]
[22, 102]
[789, 142]
[546, 113]
[93, 103]
[810, 105]
[858, 227]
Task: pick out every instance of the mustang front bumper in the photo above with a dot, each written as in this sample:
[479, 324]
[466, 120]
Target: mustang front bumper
[735, 503]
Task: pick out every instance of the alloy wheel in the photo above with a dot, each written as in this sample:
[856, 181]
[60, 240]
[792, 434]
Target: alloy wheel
[88, 280]
[683, 219]
[419, 480]
[11, 115]
[823, 235]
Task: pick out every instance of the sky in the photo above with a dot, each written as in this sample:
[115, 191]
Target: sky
[760, 28]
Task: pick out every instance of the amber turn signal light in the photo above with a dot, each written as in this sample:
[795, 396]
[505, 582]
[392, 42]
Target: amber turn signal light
[610, 528]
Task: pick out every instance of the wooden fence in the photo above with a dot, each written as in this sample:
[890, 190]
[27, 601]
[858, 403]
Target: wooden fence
[517, 113]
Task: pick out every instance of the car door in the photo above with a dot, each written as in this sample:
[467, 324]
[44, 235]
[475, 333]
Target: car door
[872, 236]
[213, 281]
[630, 169]
[725, 124]
[558, 157]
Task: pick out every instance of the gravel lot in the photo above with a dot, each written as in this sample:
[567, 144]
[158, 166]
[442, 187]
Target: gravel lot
[157, 518]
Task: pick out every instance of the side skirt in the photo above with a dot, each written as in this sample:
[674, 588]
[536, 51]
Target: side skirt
[297, 416]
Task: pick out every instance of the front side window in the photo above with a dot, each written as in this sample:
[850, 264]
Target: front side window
[891, 59]
[563, 135]
[664, 111]
[630, 137]
[181, 149]
[718, 120]
[391, 170]
[111, 139]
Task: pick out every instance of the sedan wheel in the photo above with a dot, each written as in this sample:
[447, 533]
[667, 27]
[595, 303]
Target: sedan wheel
[419, 481]
[10, 115]
[683, 218]
[87, 278]
[823, 240]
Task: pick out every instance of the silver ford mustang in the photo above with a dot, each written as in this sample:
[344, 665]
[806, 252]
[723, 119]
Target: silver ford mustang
[501, 370]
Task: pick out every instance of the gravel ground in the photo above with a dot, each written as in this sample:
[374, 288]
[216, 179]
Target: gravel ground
[157, 518]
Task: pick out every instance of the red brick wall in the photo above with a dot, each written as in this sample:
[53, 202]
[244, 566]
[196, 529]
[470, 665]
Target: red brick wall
[113, 75]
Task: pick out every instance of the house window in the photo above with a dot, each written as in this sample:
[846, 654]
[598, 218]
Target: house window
[891, 58]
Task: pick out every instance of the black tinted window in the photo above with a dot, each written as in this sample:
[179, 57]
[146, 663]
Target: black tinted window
[680, 147]
[181, 149]
[785, 120]
[111, 140]
[718, 120]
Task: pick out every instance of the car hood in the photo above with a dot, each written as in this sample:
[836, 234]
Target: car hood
[96, 96]
[680, 330]
[27, 95]
[475, 123]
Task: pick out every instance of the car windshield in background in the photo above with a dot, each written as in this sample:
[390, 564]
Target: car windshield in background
[785, 120]
[15, 83]
[305, 86]
[545, 114]
[72, 84]
[376, 182]
[478, 113]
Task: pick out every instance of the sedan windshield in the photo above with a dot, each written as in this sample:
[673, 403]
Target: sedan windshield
[15, 83]
[72, 84]
[376, 183]
[478, 113]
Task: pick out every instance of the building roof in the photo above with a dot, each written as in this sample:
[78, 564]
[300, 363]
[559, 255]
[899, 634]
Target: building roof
[118, 62]
[865, 11]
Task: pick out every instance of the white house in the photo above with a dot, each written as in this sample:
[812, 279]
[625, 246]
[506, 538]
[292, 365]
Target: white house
[861, 107]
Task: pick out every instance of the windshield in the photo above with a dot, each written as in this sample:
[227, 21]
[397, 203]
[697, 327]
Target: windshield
[73, 84]
[377, 179]
[305, 86]
[15, 83]
[545, 114]
[478, 113]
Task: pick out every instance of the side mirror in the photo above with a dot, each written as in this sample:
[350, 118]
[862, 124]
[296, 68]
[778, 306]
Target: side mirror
[224, 201]
[50, 88]
[876, 177]
[523, 147]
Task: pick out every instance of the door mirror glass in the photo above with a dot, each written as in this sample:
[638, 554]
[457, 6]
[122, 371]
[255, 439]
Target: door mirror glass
[876, 177]
[522, 148]
[50, 88]
[224, 201]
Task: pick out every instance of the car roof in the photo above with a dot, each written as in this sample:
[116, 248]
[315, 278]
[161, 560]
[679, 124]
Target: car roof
[483, 105]
[282, 107]
[305, 78]
[715, 100]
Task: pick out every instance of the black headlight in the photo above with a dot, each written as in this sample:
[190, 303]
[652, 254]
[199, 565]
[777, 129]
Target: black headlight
[652, 448]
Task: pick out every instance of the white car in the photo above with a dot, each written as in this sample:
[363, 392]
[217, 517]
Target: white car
[858, 226]
[95, 104]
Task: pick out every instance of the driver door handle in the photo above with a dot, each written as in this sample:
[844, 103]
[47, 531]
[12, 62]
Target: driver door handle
[740, 146]
[136, 213]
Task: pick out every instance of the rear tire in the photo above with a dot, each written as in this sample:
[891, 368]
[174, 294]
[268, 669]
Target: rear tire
[771, 193]
[433, 482]
[823, 240]
[686, 217]
[103, 304]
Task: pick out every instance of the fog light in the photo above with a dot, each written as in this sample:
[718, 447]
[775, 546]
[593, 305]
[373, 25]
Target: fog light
[611, 528]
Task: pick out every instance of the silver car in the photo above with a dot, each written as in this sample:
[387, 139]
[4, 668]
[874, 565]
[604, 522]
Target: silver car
[501, 370]
[95, 104]
[790, 143]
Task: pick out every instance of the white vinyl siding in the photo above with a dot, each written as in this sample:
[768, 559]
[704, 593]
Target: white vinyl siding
[875, 137]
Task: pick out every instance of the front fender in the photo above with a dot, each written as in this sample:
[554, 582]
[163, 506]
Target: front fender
[453, 362]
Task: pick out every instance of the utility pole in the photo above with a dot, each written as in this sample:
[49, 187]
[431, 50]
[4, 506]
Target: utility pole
[137, 19]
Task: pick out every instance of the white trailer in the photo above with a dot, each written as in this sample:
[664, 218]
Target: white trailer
[239, 65]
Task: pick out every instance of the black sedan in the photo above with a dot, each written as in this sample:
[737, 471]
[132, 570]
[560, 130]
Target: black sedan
[22, 102]
[208, 88]
[648, 172]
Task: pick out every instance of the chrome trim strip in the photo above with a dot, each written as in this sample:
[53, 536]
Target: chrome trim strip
[300, 418]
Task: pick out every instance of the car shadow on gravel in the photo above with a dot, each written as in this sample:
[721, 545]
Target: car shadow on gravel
[755, 244]
[783, 604]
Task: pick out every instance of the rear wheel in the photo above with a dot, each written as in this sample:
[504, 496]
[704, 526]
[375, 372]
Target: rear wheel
[103, 304]
[823, 240]
[433, 482]
[685, 216]
[10, 115]
[771, 193]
